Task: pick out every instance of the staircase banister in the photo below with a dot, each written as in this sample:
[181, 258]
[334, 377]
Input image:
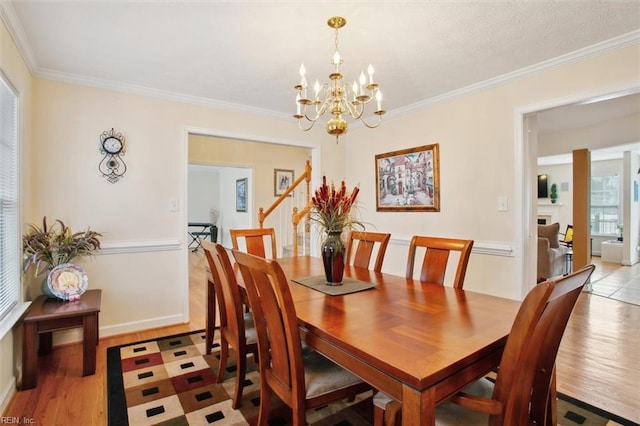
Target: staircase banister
[306, 176]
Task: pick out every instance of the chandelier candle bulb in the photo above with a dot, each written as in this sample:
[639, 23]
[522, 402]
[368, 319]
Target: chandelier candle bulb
[370, 71]
[379, 99]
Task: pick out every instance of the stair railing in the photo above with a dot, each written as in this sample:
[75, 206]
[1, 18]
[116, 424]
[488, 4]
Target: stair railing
[297, 217]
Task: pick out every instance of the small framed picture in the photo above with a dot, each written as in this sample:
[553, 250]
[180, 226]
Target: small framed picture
[408, 180]
[241, 194]
[282, 179]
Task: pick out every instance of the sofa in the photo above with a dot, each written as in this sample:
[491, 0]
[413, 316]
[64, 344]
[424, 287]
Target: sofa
[552, 257]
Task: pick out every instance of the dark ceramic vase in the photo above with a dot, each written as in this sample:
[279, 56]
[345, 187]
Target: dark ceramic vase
[332, 249]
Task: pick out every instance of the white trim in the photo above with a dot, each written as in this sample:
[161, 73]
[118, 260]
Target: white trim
[479, 247]
[8, 15]
[7, 323]
[75, 335]
[596, 49]
[118, 247]
[7, 393]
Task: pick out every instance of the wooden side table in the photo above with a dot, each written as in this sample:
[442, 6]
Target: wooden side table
[48, 315]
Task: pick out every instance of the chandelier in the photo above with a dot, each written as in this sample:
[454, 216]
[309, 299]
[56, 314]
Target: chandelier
[335, 98]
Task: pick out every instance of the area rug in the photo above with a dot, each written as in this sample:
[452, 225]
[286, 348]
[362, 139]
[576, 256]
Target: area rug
[170, 381]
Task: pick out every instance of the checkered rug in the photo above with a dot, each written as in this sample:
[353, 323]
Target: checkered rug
[170, 381]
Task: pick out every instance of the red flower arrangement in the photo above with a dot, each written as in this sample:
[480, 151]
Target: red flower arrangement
[332, 207]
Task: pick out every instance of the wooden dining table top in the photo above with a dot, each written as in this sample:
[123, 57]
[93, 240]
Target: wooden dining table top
[418, 342]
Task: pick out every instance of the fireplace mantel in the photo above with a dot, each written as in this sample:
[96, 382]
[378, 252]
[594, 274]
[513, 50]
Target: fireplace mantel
[549, 212]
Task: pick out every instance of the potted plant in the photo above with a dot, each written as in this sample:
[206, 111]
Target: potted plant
[48, 247]
[554, 193]
[331, 208]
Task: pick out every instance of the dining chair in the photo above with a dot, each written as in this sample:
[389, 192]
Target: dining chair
[364, 243]
[236, 327]
[436, 257]
[524, 389]
[254, 241]
[302, 379]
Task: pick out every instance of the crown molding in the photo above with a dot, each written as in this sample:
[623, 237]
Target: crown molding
[8, 16]
[133, 89]
[13, 25]
[575, 56]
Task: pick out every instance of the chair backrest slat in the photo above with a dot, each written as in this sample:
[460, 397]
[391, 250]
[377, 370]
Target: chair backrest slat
[527, 366]
[436, 257]
[364, 248]
[227, 292]
[254, 241]
[279, 344]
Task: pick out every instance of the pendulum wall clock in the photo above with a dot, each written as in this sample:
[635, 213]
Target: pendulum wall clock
[112, 166]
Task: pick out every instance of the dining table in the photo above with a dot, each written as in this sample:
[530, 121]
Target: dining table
[418, 342]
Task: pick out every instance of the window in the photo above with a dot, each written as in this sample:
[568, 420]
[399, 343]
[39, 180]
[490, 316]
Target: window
[10, 250]
[605, 204]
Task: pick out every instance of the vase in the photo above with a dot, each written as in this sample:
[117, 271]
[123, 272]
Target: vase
[44, 287]
[332, 249]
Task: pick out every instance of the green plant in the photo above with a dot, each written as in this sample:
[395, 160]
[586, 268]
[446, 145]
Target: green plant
[554, 192]
[332, 207]
[50, 246]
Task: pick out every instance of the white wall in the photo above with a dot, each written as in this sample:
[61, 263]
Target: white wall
[481, 158]
[203, 193]
[145, 256]
[231, 218]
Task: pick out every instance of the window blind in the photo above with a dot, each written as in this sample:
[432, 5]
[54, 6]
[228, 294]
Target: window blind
[10, 250]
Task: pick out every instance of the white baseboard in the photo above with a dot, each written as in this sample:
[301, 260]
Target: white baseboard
[75, 335]
[7, 394]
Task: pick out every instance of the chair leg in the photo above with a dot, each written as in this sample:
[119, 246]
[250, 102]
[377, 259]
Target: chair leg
[241, 371]
[265, 403]
[378, 416]
[224, 354]
[391, 413]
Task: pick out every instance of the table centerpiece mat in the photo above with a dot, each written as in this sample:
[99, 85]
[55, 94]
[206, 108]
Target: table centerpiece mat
[349, 285]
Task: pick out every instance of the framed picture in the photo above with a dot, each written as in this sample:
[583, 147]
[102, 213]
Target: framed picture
[282, 179]
[408, 180]
[241, 194]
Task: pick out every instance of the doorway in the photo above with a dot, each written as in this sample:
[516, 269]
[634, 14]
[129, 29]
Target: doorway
[555, 121]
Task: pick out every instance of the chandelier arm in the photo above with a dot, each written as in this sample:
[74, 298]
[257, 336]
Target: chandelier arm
[372, 126]
[308, 128]
[354, 110]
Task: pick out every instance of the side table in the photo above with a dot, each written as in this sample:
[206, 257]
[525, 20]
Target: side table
[48, 315]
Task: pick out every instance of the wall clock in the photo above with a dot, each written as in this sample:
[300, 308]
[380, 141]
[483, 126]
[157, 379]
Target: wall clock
[112, 166]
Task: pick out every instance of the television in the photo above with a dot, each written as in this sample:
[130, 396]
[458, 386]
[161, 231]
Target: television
[543, 186]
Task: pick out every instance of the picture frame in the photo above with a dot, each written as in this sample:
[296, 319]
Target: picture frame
[408, 180]
[241, 194]
[282, 179]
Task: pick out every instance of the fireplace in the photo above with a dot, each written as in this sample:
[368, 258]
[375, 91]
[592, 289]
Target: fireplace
[544, 220]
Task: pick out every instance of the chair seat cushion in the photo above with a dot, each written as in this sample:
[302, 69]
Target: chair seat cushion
[322, 376]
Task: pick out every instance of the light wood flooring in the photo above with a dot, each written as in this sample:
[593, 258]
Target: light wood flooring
[598, 362]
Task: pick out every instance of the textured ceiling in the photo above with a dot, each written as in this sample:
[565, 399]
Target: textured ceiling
[247, 54]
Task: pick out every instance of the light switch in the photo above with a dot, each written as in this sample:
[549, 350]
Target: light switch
[503, 203]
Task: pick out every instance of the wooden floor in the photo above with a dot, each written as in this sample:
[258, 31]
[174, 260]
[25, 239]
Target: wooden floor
[599, 362]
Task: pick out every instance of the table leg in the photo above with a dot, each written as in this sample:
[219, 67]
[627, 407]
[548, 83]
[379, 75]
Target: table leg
[418, 408]
[29, 356]
[89, 342]
[46, 343]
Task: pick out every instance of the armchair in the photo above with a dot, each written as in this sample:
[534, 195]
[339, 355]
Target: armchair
[552, 257]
